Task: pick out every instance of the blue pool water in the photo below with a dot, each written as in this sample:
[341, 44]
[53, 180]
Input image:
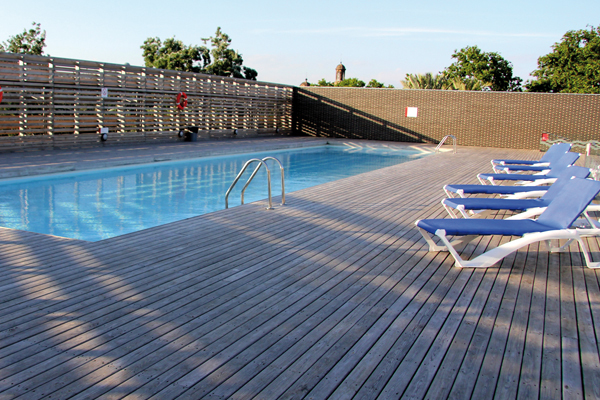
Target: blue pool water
[95, 205]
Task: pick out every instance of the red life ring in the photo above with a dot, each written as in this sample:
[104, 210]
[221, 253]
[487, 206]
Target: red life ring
[1, 94]
[181, 100]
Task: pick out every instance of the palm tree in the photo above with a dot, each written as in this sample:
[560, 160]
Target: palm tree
[468, 84]
[424, 81]
[441, 82]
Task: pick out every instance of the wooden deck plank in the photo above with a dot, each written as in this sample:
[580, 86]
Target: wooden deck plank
[511, 366]
[470, 368]
[445, 375]
[588, 342]
[572, 386]
[529, 380]
[331, 296]
[550, 383]
[490, 368]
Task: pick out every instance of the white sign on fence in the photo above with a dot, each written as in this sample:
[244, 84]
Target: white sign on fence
[412, 112]
[104, 92]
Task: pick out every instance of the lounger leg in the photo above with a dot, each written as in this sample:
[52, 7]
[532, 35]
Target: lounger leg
[449, 210]
[586, 255]
[547, 245]
[432, 245]
[457, 258]
[462, 240]
[451, 195]
[560, 249]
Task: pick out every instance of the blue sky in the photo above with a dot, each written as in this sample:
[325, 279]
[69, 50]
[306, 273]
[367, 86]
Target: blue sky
[288, 41]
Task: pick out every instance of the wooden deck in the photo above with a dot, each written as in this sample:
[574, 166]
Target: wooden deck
[332, 296]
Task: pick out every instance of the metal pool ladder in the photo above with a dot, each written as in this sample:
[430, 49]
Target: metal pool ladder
[260, 164]
[437, 149]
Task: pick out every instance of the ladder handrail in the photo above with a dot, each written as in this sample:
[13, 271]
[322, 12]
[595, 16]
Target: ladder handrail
[437, 149]
[281, 170]
[237, 178]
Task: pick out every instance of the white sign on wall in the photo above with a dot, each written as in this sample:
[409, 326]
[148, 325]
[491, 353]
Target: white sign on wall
[412, 112]
[104, 92]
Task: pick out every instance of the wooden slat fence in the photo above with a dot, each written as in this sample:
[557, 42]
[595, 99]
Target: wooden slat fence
[51, 101]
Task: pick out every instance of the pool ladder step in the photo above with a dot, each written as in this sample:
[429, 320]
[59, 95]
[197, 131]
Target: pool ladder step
[260, 162]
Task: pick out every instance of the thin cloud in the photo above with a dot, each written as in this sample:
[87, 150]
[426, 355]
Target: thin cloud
[382, 32]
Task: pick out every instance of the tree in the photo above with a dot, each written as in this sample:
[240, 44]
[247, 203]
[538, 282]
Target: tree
[323, 82]
[471, 63]
[572, 67]
[373, 83]
[226, 61]
[31, 41]
[424, 81]
[173, 54]
[350, 82]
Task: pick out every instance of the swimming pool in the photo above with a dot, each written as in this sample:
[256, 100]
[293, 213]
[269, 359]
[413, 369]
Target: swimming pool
[99, 204]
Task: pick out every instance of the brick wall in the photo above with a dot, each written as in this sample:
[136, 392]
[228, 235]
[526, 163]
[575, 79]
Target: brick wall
[490, 119]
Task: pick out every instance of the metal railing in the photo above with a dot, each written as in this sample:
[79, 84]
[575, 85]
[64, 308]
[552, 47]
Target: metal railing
[260, 164]
[437, 149]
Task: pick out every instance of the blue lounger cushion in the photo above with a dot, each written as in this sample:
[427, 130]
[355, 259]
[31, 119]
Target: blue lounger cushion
[479, 203]
[489, 189]
[515, 177]
[518, 162]
[553, 153]
[529, 168]
[565, 161]
[557, 159]
[573, 170]
[483, 226]
[562, 211]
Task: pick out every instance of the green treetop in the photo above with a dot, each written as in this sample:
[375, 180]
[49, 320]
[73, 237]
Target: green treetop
[173, 54]
[472, 63]
[373, 83]
[323, 82]
[572, 67]
[226, 61]
[31, 41]
[350, 82]
[218, 60]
